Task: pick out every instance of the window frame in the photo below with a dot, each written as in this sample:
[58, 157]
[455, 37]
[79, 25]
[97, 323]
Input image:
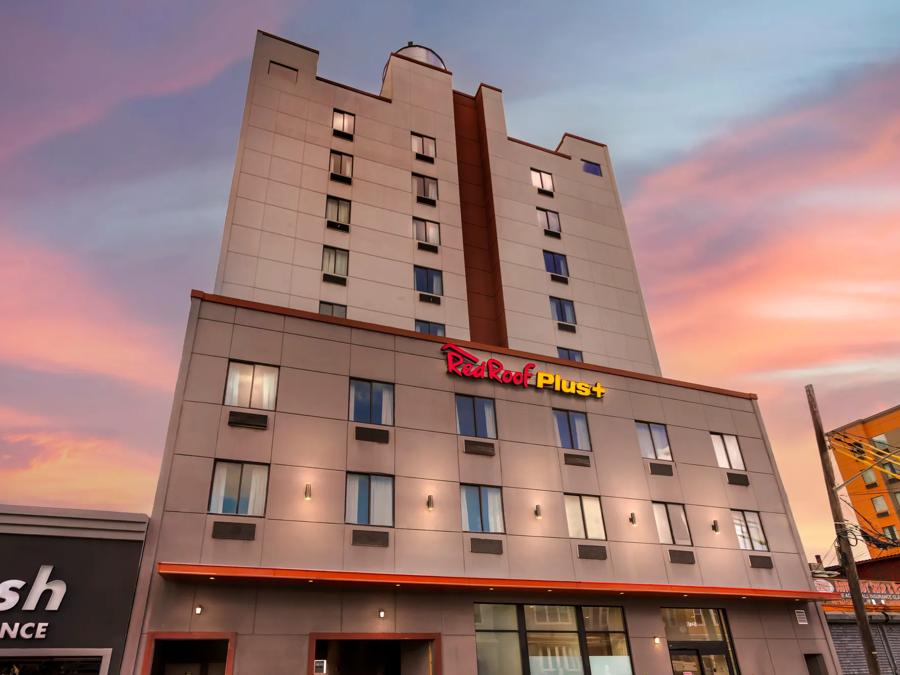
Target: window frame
[339, 201]
[416, 220]
[419, 197]
[346, 253]
[252, 379]
[556, 258]
[342, 157]
[368, 476]
[873, 473]
[416, 135]
[570, 351]
[569, 414]
[546, 220]
[371, 399]
[887, 508]
[669, 521]
[656, 457]
[743, 514]
[587, 162]
[241, 463]
[581, 498]
[581, 631]
[333, 305]
[430, 272]
[473, 398]
[563, 302]
[481, 487]
[541, 184]
[729, 465]
[344, 115]
[430, 324]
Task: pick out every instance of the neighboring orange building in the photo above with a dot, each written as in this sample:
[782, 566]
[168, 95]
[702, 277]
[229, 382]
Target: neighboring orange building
[875, 494]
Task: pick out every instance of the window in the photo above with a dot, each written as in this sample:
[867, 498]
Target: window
[890, 532]
[572, 430]
[671, 524]
[591, 167]
[423, 145]
[891, 468]
[371, 402]
[429, 327]
[426, 189]
[728, 452]
[880, 506]
[557, 639]
[334, 260]
[497, 647]
[543, 181]
[869, 478]
[549, 220]
[555, 263]
[343, 124]
[654, 440]
[429, 280]
[749, 530]
[571, 354]
[337, 210]
[475, 417]
[341, 164]
[251, 385]
[562, 310]
[239, 489]
[585, 517]
[333, 309]
[370, 499]
[427, 231]
[482, 508]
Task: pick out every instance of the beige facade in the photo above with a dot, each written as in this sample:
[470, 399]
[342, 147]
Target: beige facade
[275, 225]
[337, 496]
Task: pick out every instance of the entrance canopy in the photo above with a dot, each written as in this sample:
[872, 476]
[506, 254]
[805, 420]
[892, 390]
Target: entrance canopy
[380, 579]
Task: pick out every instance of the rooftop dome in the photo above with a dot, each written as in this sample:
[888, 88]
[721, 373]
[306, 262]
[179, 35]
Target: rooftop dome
[423, 55]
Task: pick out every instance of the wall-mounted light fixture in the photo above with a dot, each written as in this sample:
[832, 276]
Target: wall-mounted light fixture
[632, 518]
[380, 613]
[537, 511]
[198, 609]
[657, 640]
[307, 492]
[715, 526]
[429, 503]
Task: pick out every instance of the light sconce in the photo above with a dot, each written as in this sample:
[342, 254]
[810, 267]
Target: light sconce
[537, 511]
[307, 492]
[429, 503]
[632, 518]
[657, 640]
[198, 609]
[380, 613]
[715, 526]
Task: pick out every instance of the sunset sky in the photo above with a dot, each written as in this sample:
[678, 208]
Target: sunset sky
[757, 149]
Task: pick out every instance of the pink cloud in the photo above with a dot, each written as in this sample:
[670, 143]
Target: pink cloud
[769, 260]
[66, 71]
[59, 318]
[109, 475]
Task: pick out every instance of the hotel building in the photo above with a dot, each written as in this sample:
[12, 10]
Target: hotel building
[420, 426]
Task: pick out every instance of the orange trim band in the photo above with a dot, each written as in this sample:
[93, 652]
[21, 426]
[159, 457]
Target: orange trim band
[188, 570]
[401, 332]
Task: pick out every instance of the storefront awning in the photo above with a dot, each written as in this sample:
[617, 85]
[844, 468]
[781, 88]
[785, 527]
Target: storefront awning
[385, 580]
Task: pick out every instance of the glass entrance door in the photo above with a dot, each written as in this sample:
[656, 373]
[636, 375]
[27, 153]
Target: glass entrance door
[685, 662]
[693, 662]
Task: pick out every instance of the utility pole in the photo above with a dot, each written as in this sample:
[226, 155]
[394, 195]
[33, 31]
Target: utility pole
[845, 555]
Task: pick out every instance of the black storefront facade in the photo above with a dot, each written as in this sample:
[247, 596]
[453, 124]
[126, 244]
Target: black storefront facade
[67, 582]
